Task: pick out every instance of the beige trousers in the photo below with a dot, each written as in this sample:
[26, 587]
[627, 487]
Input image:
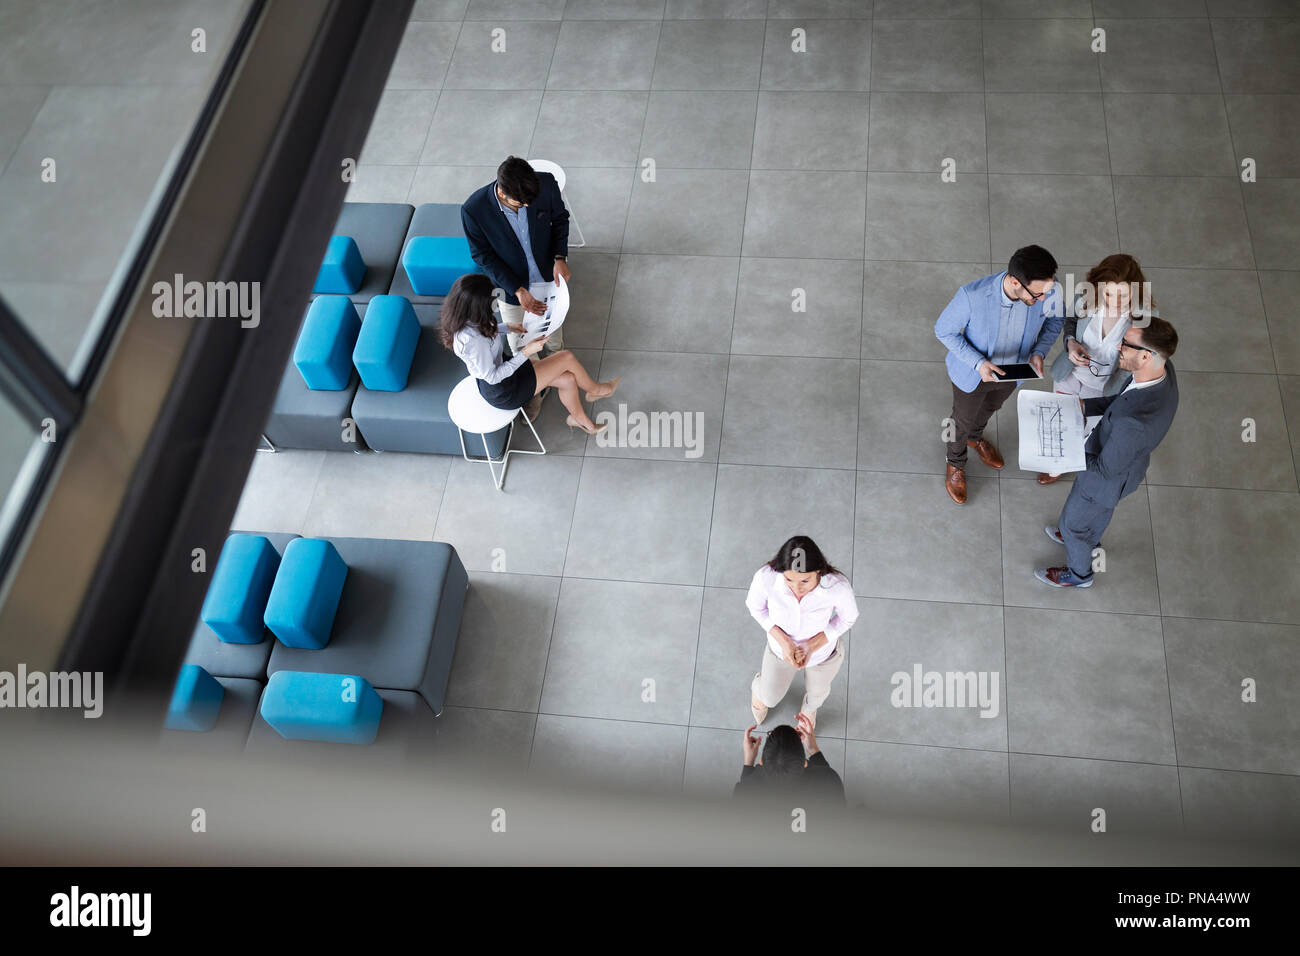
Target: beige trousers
[515, 313]
[771, 683]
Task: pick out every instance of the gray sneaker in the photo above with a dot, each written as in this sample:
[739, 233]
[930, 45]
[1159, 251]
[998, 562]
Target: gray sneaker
[1053, 532]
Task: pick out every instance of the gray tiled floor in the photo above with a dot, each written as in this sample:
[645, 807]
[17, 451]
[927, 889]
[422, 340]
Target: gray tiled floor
[777, 171]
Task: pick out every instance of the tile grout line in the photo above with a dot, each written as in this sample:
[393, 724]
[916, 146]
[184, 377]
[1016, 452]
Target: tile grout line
[1245, 208]
[717, 467]
[1002, 546]
[559, 591]
[433, 115]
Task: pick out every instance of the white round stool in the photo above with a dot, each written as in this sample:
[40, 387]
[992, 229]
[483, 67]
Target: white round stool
[470, 412]
[546, 166]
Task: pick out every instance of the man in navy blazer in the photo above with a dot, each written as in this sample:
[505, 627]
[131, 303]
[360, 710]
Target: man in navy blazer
[518, 232]
[1118, 451]
[1011, 317]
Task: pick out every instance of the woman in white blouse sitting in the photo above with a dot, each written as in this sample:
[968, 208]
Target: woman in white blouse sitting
[469, 327]
[805, 606]
[1089, 366]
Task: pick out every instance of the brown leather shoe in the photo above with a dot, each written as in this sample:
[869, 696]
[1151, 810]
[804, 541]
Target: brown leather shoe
[988, 454]
[956, 485]
[1045, 479]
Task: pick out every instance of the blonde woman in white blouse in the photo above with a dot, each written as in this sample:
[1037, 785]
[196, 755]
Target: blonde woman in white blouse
[805, 606]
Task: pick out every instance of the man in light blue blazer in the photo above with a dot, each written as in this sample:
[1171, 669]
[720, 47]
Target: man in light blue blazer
[1010, 317]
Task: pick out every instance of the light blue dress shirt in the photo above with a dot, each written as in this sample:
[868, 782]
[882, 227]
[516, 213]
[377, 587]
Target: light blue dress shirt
[519, 223]
[1011, 329]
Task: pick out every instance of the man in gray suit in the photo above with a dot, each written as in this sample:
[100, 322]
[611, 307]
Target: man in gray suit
[1133, 422]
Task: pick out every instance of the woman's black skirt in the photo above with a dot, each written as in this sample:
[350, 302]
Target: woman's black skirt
[513, 392]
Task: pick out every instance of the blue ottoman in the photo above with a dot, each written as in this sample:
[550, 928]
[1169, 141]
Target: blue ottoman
[386, 344]
[336, 708]
[323, 354]
[433, 263]
[240, 587]
[229, 734]
[415, 419]
[196, 700]
[305, 596]
[342, 269]
[379, 229]
[430, 219]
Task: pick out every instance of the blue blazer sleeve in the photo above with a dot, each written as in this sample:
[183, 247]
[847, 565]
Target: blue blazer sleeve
[951, 330]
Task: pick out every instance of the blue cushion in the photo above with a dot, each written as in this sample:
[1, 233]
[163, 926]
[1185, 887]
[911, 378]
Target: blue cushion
[386, 343]
[324, 350]
[342, 269]
[241, 584]
[433, 263]
[196, 700]
[305, 596]
[336, 708]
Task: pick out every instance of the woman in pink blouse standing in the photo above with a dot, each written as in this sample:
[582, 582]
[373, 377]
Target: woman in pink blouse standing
[805, 605]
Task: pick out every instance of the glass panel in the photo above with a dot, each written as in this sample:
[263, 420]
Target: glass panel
[96, 100]
[21, 452]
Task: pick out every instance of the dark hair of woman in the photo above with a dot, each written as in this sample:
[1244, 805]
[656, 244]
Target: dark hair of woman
[801, 554]
[783, 751]
[468, 305]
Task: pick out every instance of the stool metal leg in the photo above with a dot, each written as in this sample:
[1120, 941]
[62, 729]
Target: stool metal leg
[536, 437]
[576, 228]
[504, 460]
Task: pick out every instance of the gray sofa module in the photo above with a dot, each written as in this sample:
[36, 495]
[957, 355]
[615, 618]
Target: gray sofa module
[430, 219]
[234, 660]
[238, 708]
[302, 417]
[397, 620]
[379, 229]
[406, 732]
[415, 419]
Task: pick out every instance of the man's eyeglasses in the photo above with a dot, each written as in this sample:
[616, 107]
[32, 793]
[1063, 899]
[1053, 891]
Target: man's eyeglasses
[1034, 296]
[1137, 348]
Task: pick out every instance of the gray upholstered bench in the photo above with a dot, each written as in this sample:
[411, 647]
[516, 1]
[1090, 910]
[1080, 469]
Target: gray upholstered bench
[397, 620]
[415, 419]
[430, 219]
[234, 660]
[301, 417]
[379, 229]
[310, 418]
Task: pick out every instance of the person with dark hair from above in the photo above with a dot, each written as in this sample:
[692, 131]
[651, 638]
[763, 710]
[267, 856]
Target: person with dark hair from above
[518, 232]
[469, 327]
[805, 606]
[792, 765]
[1010, 317]
[1114, 295]
[1118, 451]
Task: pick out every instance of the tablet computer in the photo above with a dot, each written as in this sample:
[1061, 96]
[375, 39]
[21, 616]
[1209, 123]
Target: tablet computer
[1018, 372]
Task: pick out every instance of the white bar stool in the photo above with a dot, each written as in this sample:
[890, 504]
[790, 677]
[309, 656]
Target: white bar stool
[546, 166]
[470, 412]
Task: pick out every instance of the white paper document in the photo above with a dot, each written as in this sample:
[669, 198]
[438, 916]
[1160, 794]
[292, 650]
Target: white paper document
[1051, 432]
[555, 296]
